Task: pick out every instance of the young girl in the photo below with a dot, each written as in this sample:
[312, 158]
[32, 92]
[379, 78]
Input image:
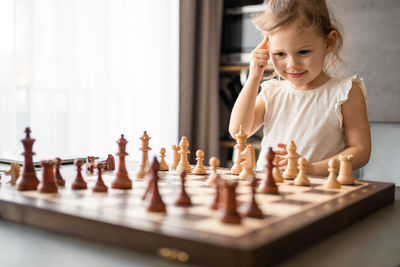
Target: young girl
[325, 116]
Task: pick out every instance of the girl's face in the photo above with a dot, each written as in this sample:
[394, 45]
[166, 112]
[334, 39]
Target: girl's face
[298, 56]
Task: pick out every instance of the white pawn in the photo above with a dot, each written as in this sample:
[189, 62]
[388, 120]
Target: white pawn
[200, 169]
[163, 164]
[214, 163]
[276, 171]
[332, 181]
[302, 178]
[249, 162]
[291, 169]
[345, 173]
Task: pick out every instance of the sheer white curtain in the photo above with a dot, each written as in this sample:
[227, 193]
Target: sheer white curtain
[81, 72]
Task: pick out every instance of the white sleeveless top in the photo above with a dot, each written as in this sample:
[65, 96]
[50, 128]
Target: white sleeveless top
[312, 118]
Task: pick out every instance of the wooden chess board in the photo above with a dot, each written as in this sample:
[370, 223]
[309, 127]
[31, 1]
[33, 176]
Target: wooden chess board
[297, 217]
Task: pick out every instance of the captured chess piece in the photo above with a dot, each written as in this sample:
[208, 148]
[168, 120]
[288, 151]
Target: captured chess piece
[183, 198]
[346, 171]
[59, 180]
[175, 157]
[144, 163]
[90, 165]
[184, 163]
[156, 204]
[217, 197]
[13, 172]
[214, 163]
[229, 209]
[240, 146]
[100, 187]
[79, 183]
[163, 164]
[199, 169]
[253, 210]
[48, 184]
[276, 172]
[122, 180]
[291, 169]
[29, 180]
[332, 181]
[248, 162]
[268, 185]
[302, 178]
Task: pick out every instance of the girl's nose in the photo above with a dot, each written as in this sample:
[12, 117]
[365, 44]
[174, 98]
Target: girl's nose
[292, 62]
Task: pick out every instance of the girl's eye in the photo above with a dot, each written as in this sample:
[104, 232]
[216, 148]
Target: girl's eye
[280, 54]
[304, 52]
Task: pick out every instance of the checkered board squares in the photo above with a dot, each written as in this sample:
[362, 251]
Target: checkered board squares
[126, 207]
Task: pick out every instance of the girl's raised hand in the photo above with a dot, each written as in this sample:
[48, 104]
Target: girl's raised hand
[259, 58]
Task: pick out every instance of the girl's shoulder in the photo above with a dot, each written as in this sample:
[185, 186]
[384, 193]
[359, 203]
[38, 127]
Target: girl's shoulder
[343, 86]
[272, 86]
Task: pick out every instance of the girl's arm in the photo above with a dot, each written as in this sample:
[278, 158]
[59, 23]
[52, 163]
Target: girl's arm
[248, 110]
[357, 133]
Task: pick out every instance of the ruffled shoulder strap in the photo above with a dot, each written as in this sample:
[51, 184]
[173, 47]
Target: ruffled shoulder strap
[344, 90]
[267, 87]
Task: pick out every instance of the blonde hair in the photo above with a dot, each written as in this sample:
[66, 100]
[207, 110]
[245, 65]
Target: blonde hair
[306, 13]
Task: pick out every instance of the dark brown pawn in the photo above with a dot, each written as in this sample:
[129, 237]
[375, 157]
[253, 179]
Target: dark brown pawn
[156, 204]
[217, 197]
[100, 186]
[48, 184]
[59, 180]
[79, 183]
[268, 185]
[183, 199]
[230, 214]
[253, 210]
[29, 180]
[122, 180]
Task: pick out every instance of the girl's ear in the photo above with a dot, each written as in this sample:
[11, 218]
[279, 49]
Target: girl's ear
[331, 41]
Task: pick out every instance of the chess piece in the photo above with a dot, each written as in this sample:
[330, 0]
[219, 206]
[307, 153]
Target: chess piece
[332, 181]
[156, 204]
[13, 172]
[79, 183]
[268, 185]
[276, 171]
[163, 164]
[214, 163]
[240, 146]
[100, 186]
[59, 180]
[253, 210]
[302, 178]
[184, 163]
[29, 180]
[215, 204]
[122, 180]
[110, 163]
[183, 199]
[144, 163]
[248, 162]
[90, 165]
[291, 169]
[229, 212]
[175, 157]
[199, 169]
[48, 184]
[345, 172]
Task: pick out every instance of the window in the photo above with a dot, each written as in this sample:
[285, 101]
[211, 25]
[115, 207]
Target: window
[82, 72]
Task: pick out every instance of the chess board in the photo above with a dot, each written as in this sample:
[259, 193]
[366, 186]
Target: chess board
[299, 216]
